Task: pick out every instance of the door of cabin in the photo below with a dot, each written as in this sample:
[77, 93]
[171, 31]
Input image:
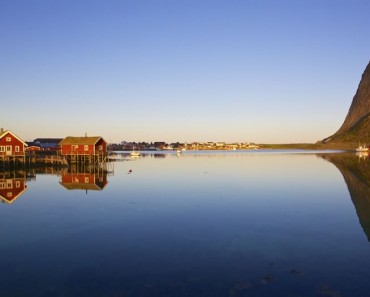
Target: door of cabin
[8, 150]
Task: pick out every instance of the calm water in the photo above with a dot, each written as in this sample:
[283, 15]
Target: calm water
[206, 224]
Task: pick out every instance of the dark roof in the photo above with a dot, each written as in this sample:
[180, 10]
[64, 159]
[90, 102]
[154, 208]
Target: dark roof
[48, 140]
[31, 143]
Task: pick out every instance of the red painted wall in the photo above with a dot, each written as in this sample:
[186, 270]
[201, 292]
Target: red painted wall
[33, 148]
[68, 149]
[84, 178]
[103, 144]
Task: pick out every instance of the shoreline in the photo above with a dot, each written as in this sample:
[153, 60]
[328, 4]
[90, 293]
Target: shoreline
[313, 146]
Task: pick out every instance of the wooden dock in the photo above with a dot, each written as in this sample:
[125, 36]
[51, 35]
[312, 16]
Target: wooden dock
[32, 160]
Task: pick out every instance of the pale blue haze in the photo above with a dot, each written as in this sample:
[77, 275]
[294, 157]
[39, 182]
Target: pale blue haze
[176, 70]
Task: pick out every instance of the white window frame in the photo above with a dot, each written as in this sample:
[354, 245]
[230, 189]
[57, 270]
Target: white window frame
[2, 149]
[17, 150]
[86, 147]
[8, 139]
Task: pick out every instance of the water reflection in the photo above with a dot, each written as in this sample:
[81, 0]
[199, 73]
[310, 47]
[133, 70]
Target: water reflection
[86, 178]
[34, 172]
[204, 225]
[355, 171]
[12, 185]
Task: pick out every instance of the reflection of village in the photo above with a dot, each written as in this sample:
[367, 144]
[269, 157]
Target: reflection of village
[356, 174]
[13, 184]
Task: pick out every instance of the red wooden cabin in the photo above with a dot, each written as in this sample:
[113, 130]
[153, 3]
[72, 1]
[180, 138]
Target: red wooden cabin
[94, 145]
[11, 145]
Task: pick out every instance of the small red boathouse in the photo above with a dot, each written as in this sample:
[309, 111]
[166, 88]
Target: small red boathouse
[92, 149]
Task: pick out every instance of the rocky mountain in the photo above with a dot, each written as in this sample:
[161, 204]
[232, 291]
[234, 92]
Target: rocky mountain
[356, 126]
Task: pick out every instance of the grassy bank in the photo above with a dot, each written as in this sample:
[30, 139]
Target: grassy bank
[312, 146]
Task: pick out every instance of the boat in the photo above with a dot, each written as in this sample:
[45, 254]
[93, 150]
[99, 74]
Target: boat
[134, 153]
[362, 155]
[361, 148]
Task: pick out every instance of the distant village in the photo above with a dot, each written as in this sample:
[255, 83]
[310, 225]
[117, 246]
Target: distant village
[90, 149]
[161, 145]
[11, 144]
[52, 144]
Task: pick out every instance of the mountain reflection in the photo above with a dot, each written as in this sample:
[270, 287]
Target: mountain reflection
[355, 171]
[84, 178]
[12, 185]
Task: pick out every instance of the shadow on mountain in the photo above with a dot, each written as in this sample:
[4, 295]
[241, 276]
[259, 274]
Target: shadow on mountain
[356, 173]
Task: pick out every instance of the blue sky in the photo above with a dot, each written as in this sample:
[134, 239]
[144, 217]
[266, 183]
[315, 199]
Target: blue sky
[181, 70]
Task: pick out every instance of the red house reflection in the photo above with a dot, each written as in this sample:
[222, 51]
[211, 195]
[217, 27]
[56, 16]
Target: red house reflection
[11, 189]
[92, 181]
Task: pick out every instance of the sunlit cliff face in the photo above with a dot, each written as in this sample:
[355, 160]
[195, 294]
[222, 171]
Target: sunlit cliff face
[357, 119]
